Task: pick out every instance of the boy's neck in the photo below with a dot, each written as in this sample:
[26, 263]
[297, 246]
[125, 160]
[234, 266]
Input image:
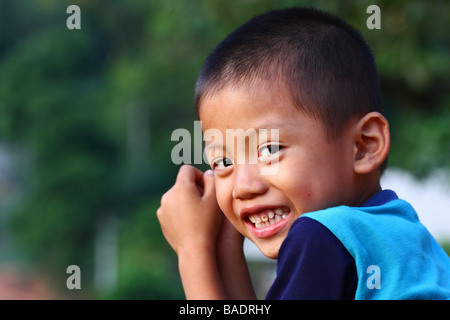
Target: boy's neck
[366, 191]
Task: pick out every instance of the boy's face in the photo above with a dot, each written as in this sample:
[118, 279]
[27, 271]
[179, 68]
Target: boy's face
[312, 172]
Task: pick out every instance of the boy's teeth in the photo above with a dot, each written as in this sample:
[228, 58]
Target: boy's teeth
[269, 218]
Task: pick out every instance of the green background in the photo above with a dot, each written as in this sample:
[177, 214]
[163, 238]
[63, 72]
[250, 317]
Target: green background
[86, 117]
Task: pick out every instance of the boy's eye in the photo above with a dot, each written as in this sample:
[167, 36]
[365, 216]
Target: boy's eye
[221, 164]
[269, 150]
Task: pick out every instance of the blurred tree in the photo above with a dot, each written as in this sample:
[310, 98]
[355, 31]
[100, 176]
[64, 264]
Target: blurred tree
[96, 107]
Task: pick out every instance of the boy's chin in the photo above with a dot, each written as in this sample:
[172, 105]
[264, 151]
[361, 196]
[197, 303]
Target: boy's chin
[270, 250]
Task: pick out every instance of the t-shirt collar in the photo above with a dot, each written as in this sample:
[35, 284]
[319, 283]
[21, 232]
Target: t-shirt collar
[380, 198]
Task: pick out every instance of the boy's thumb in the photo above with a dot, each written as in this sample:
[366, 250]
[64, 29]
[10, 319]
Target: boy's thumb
[208, 182]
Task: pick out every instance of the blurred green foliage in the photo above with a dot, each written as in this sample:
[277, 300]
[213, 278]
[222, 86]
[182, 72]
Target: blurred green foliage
[93, 111]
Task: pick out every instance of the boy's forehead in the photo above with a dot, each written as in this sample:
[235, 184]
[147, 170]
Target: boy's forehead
[253, 105]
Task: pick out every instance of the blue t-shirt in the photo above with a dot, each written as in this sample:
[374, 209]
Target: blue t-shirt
[377, 251]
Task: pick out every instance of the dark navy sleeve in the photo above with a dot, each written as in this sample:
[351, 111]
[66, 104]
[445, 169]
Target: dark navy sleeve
[313, 265]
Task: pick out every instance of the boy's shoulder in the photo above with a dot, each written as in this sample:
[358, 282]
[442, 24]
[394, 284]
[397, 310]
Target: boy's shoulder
[383, 209]
[335, 226]
[313, 259]
[382, 219]
[385, 232]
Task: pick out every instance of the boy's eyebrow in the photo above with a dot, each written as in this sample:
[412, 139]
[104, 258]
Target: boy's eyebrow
[212, 145]
[273, 124]
[287, 126]
[209, 147]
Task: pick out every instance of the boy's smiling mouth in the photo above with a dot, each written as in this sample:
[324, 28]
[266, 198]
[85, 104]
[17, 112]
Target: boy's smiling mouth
[264, 221]
[268, 217]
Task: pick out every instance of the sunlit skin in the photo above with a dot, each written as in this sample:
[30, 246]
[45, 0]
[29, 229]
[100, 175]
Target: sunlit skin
[314, 172]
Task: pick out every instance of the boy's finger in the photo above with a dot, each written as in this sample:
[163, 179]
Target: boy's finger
[191, 177]
[208, 182]
[189, 174]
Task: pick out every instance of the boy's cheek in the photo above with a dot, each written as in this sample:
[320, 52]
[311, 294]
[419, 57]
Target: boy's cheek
[226, 207]
[236, 222]
[224, 200]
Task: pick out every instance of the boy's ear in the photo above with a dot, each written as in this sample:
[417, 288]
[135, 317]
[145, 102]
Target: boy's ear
[372, 143]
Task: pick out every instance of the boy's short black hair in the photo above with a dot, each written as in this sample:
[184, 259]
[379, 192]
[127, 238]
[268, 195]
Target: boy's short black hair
[325, 64]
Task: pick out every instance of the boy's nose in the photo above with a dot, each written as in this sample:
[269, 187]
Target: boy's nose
[248, 181]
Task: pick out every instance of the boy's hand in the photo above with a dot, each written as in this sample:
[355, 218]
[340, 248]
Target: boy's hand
[232, 264]
[189, 215]
[191, 221]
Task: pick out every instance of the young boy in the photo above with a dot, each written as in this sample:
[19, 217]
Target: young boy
[322, 212]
